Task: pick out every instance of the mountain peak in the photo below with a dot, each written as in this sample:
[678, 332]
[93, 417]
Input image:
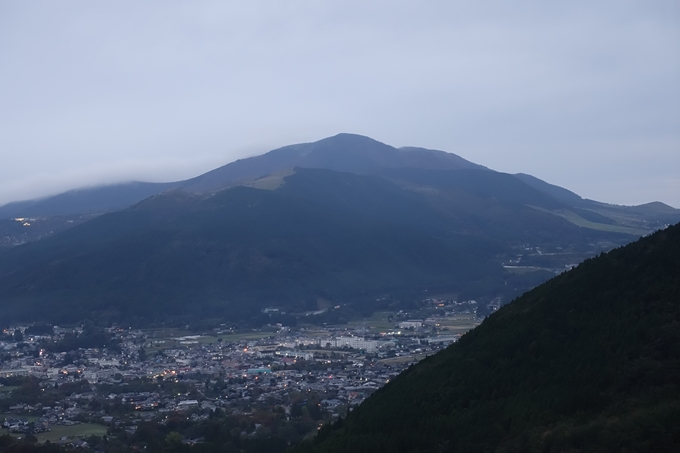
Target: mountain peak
[348, 136]
[344, 152]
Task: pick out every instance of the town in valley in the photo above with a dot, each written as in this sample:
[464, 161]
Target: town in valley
[66, 384]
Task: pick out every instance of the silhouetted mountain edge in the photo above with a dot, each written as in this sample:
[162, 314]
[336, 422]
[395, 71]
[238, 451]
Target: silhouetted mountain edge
[343, 152]
[585, 362]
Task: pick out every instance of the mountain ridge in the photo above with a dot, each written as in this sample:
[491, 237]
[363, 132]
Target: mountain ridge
[299, 234]
[86, 200]
[229, 238]
[342, 152]
[322, 233]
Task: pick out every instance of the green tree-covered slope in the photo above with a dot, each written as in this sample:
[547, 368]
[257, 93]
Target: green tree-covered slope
[589, 361]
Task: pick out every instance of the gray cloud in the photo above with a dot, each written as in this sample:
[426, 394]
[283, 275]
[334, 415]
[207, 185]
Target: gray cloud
[582, 94]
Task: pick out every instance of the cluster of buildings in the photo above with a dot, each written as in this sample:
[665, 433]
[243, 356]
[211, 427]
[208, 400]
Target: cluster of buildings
[147, 377]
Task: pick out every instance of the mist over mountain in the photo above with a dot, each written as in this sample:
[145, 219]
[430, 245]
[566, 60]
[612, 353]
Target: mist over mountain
[322, 234]
[87, 200]
[344, 152]
[346, 220]
[585, 362]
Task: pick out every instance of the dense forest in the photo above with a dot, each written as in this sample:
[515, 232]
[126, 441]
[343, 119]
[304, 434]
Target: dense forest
[588, 361]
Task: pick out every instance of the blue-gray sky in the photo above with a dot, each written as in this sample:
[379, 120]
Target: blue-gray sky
[582, 94]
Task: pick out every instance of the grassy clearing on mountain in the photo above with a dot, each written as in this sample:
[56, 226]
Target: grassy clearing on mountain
[380, 321]
[580, 221]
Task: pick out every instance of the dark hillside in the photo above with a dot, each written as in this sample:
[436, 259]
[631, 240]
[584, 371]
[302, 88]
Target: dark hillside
[482, 183]
[559, 193]
[323, 234]
[497, 203]
[588, 361]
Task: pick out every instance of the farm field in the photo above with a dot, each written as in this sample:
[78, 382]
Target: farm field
[460, 324]
[377, 323]
[30, 418]
[69, 432]
[404, 359]
[382, 321]
[72, 432]
[168, 337]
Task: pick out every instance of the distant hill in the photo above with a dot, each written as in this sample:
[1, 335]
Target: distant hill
[86, 201]
[323, 234]
[345, 153]
[319, 234]
[346, 219]
[585, 362]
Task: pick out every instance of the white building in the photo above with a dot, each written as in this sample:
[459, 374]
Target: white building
[296, 354]
[411, 324]
[355, 342]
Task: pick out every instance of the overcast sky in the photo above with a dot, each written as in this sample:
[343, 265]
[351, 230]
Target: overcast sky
[582, 94]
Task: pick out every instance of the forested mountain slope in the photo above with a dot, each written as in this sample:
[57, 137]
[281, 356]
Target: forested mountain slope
[321, 234]
[344, 153]
[346, 219]
[588, 361]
